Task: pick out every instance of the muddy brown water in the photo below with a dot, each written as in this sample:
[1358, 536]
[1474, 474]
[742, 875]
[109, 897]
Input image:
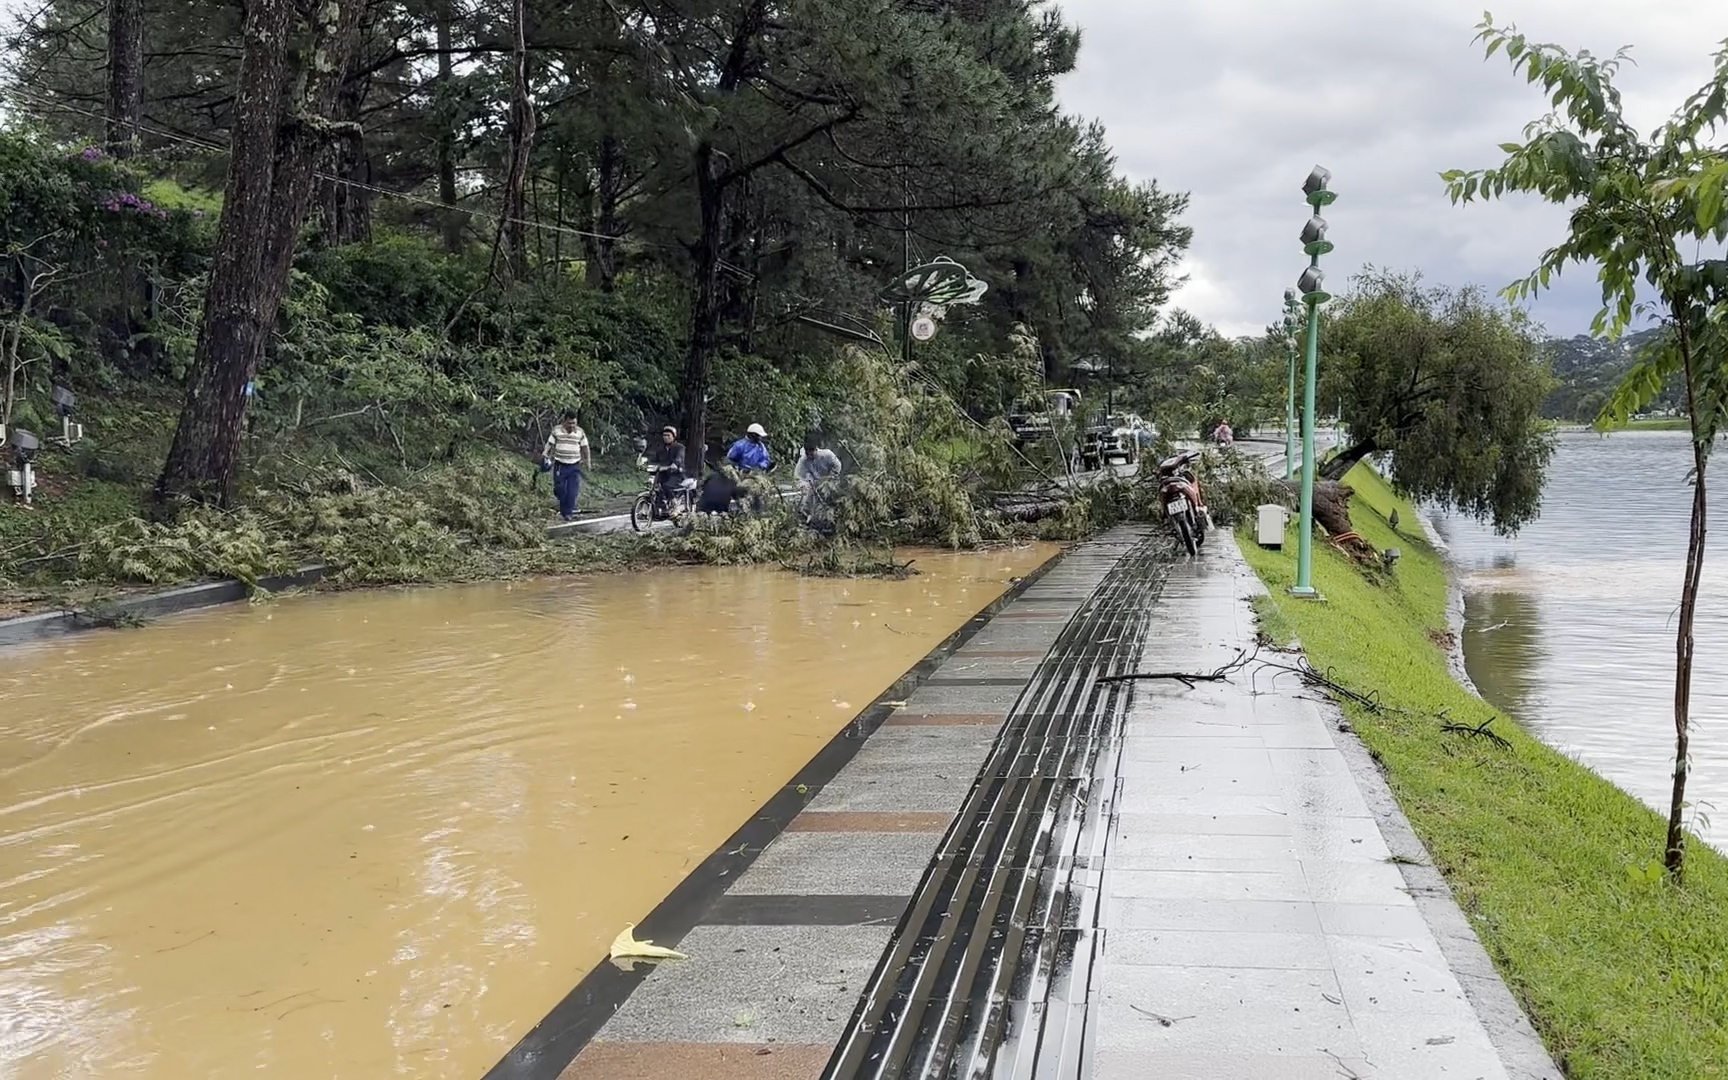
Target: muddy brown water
[1569, 626]
[380, 834]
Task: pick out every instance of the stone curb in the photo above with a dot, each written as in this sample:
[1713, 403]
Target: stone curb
[50, 624]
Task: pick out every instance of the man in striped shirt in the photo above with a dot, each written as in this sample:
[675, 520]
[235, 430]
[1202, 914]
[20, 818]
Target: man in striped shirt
[568, 453]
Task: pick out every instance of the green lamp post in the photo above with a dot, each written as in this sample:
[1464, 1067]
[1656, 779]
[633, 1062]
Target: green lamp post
[1312, 286]
[1290, 326]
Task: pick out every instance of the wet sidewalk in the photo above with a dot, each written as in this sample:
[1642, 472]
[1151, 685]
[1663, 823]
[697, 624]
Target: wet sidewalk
[1267, 911]
[1034, 870]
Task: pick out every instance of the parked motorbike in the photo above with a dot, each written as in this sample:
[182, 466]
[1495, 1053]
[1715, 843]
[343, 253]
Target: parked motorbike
[1179, 491]
[656, 503]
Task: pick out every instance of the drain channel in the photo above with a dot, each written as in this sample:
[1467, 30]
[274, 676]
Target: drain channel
[984, 970]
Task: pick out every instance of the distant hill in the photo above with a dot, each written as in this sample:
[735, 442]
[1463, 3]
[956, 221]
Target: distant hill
[1590, 368]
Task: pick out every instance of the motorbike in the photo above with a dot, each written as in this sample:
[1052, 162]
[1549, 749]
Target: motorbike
[1179, 491]
[656, 503]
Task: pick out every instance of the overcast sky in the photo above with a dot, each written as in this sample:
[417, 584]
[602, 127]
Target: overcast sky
[1234, 101]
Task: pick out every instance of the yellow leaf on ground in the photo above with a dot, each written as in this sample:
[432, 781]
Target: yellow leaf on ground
[625, 944]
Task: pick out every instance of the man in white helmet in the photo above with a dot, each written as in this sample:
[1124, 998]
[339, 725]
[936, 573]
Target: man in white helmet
[751, 452]
[750, 456]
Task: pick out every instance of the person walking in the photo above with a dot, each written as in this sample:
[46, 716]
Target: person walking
[817, 468]
[568, 452]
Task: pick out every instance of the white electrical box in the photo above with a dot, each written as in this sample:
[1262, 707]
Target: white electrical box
[1270, 530]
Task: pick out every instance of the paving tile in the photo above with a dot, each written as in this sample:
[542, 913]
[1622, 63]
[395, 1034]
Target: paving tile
[1149, 797]
[753, 984]
[1373, 920]
[1306, 735]
[1217, 948]
[709, 1061]
[840, 821]
[1130, 1065]
[1390, 976]
[1222, 1010]
[1268, 916]
[1147, 850]
[748, 909]
[1342, 839]
[1178, 776]
[1441, 1046]
[1356, 882]
[912, 719]
[882, 864]
[1188, 824]
[1206, 885]
[887, 788]
[1235, 752]
[1328, 762]
[1325, 796]
[929, 699]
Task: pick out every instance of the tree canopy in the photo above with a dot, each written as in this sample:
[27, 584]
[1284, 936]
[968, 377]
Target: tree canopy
[751, 164]
[1446, 383]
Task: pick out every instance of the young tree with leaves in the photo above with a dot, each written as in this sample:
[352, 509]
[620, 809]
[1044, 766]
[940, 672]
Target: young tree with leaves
[1644, 205]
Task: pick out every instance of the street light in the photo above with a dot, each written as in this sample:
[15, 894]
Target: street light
[1290, 309]
[1312, 286]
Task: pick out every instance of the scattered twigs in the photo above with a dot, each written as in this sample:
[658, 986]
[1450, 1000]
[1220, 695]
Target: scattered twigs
[1479, 731]
[1325, 681]
[1163, 1021]
[1187, 678]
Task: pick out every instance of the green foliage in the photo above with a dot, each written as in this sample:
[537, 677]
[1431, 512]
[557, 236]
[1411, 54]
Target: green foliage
[1187, 377]
[1642, 209]
[206, 544]
[1448, 384]
[1623, 977]
[1645, 208]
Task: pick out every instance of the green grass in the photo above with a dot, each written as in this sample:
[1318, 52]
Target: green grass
[1660, 423]
[1625, 975]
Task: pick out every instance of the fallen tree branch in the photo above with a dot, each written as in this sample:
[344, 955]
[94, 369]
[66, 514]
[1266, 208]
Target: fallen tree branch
[1479, 731]
[1188, 678]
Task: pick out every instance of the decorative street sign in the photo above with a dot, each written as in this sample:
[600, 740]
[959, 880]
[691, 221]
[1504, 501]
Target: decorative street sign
[938, 284]
[923, 328]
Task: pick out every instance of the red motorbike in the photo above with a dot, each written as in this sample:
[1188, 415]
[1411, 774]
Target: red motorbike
[1179, 491]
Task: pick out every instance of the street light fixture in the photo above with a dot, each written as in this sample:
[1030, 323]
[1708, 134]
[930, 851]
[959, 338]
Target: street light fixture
[1312, 286]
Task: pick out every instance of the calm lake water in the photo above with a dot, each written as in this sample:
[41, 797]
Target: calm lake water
[1569, 627]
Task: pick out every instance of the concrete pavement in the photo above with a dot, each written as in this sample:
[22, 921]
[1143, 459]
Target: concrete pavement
[1267, 911]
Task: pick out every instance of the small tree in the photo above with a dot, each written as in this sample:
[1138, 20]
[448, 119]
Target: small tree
[1642, 208]
[1450, 386]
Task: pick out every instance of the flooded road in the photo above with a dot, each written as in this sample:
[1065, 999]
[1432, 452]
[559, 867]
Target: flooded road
[1570, 626]
[380, 834]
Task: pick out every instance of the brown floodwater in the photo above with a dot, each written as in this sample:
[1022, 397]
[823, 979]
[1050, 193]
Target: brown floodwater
[381, 834]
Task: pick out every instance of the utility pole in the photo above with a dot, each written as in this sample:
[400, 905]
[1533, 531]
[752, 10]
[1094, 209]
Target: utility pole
[1290, 309]
[1312, 287]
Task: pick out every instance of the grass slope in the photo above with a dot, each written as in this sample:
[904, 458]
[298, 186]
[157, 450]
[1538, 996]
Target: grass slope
[1624, 975]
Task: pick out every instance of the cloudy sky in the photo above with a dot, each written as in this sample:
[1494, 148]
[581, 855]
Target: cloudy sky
[1234, 101]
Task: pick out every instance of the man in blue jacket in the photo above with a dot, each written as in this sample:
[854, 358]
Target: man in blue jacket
[750, 455]
[751, 452]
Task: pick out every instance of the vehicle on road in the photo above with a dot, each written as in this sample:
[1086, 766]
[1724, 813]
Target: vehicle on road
[1179, 492]
[1033, 422]
[660, 503]
[1114, 440]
